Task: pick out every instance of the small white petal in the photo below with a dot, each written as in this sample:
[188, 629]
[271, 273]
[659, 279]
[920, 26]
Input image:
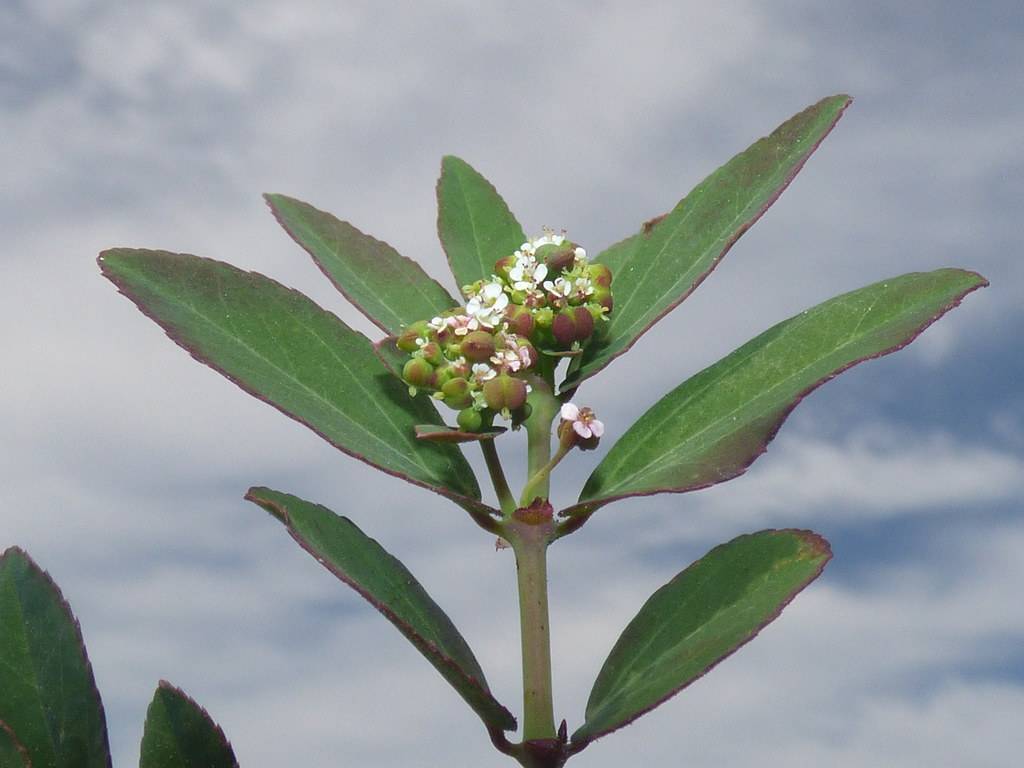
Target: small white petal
[569, 412]
[581, 429]
[597, 427]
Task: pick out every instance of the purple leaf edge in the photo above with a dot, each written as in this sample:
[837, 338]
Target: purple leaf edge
[466, 502]
[822, 547]
[582, 510]
[65, 606]
[341, 289]
[425, 646]
[166, 687]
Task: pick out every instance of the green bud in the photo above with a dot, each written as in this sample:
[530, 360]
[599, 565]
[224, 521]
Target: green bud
[602, 296]
[520, 415]
[544, 317]
[443, 374]
[470, 420]
[600, 275]
[504, 392]
[419, 373]
[418, 330]
[431, 352]
[456, 393]
[478, 346]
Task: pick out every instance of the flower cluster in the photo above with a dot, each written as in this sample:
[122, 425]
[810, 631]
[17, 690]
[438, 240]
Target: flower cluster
[546, 296]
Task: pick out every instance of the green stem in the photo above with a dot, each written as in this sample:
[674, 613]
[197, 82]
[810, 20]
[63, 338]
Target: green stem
[530, 546]
[538, 437]
[505, 498]
[541, 479]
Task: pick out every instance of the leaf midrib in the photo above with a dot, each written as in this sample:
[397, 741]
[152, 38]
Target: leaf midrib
[226, 332]
[797, 323]
[32, 681]
[332, 247]
[470, 215]
[715, 245]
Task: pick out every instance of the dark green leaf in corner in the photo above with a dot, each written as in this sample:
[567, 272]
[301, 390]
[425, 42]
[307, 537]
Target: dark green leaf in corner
[12, 753]
[48, 697]
[390, 289]
[661, 265]
[278, 345]
[386, 584]
[699, 618]
[474, 223]
[180, 734]
[714, 425]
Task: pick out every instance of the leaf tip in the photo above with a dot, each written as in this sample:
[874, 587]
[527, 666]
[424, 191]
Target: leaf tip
[814, 543]
[261, 497]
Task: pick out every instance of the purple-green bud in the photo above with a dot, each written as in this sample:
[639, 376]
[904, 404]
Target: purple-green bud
[572, 324]
[419, 373]
[504, 391]
[600, 275]
[602, 296]
[478, 346]
[520, 320]
[407, 339]
[504, 264]
[470, 420]
[432, 353]
[456, 393]
[557, 257]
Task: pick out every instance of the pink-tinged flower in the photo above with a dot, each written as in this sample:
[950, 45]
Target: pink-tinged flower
[463, 324]
[584, 422]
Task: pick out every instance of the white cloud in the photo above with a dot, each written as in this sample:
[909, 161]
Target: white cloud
[160, 124]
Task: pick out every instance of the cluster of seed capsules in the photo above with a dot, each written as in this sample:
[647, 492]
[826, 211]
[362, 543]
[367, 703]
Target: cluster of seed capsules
[545, 298]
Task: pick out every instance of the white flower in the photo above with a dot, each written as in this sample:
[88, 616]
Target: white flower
[583, 421]
[584, 287]
[463, 324]
[488, 305]
[483, 372]
[561, 289]
[526, 274]
[439, 323]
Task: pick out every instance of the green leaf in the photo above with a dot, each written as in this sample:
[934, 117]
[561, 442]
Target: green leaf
[281, 347]
[703, 615]
[387, 585]
[12, 753]
[47, 693]
[474, 223]
[391, 290]
[714, 425]
[442, 433]
[391, 356]
[654, 270]
[180, 734]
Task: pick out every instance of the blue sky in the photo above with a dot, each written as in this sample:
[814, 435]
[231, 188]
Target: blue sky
[159, 125]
